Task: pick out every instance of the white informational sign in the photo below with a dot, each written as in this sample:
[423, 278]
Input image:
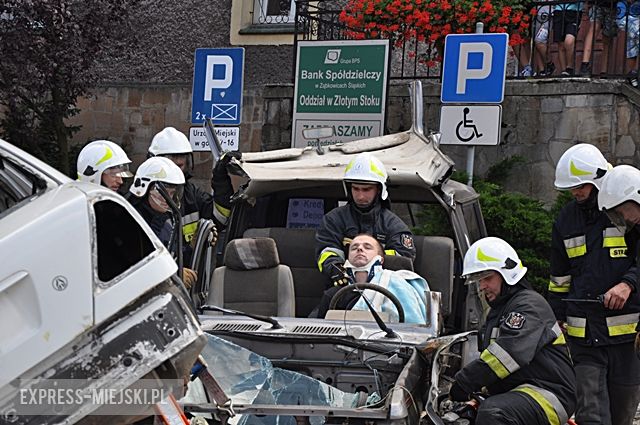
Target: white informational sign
[305, 213]
[229, 138]
[470, 124]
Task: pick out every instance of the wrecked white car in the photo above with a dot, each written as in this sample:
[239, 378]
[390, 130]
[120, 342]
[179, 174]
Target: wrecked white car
[87, 294]
[407, 365]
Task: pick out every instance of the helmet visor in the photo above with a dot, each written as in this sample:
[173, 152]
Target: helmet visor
[118, 171]
[475, 278]
[159, 201]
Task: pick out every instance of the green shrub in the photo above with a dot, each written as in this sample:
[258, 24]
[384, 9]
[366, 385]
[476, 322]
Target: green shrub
[522, 221]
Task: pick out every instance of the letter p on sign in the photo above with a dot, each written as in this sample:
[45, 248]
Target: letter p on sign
[212, 81]
[473, 69]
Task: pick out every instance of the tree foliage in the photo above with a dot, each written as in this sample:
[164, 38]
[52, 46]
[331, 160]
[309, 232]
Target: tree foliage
[49, 48]
[522, 221]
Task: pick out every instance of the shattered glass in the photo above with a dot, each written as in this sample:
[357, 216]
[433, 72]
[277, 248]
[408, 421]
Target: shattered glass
[248, 378]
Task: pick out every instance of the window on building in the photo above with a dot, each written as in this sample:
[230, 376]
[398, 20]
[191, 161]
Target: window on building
[274, 11]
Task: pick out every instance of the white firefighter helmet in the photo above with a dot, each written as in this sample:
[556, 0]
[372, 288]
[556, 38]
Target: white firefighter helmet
[580, 164]
[170, 141]
[493, 253]
[622, 184]
[155, 169]
[366, 168]
[98, 156]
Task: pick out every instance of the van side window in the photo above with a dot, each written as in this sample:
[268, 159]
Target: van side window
[120, 240]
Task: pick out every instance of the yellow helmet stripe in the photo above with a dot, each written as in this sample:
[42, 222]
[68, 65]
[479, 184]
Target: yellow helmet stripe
[576, 171]
[160, 174]
[481, 256]
[376, 170]
[107, 156]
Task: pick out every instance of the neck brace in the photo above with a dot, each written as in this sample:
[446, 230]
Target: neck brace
[372, 267]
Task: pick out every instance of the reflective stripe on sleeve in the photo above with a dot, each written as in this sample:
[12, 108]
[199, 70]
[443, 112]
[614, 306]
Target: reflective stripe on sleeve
[390, 252]
[553, 409]
[559, 335]
[576, 247]
[221, 213]
[623, 325]
[500, 362]
[576, 326]
[560, 284]
[329, 252]
[190, 225]
[612, 237]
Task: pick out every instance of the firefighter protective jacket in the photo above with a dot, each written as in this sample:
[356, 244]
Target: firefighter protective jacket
[523, 349]
[197, 204]
[342, 224]
[589, 256]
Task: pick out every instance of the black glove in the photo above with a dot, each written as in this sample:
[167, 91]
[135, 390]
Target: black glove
[339, 276]
[220, 168]
[456, 393]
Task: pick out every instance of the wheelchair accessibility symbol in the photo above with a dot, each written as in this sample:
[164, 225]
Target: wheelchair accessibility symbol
[466, 130]
[470, 124]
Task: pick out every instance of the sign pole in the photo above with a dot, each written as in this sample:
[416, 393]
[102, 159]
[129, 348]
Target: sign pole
[471, 150]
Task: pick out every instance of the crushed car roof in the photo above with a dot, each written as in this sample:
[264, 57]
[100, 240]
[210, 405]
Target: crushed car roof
[410, 159]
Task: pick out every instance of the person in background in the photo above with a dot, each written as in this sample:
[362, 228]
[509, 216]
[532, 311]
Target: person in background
[153, 176]
[105, 163]
[593, 292]
[367, 211]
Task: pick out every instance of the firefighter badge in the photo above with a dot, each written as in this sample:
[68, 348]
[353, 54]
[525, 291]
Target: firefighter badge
[514, 320]
[407, 241]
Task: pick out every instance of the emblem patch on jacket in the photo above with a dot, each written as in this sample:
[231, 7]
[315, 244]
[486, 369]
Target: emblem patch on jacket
[407, 241]
[514, 320]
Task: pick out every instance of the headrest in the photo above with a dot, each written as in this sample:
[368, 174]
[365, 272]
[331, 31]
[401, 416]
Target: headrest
[397, 262]
[251, 254]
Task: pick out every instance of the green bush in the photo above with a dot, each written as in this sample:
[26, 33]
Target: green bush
[522, 221]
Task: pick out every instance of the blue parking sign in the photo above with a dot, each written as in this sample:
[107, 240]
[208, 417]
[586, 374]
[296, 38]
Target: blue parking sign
[217, 86]
[474, 67]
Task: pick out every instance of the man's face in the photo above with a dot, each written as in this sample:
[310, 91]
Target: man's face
[180, 159]
[364, 193]
[630, 212]
[362, 250]
[582, 192]
[111, 179]
[491, 285]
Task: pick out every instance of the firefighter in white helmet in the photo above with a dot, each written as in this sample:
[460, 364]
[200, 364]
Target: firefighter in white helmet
[365, 182]
[590, 263]
[195, 202]
[105, 163]
[153, 176]
[524, 365]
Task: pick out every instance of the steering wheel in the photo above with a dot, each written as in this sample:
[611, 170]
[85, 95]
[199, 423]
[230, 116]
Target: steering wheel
[384, 291]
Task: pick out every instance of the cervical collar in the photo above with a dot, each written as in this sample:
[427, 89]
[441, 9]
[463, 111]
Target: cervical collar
[372, 267]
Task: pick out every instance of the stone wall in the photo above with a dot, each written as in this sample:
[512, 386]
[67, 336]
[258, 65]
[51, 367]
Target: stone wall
[541, 119]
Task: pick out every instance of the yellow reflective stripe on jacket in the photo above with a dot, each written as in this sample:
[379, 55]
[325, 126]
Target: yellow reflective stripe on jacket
[622, 325]
[576, 326]
[390, 252]
[559, 335]
[190, 225]
[560, 284]
[612, 237]
[576, 247]
[500, 362]
[326, 253]
[221, 213]
[553, 409]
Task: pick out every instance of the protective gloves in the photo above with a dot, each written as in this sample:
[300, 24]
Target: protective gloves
[189, 277]
[456, 393]
[339, 275]
[220, 169]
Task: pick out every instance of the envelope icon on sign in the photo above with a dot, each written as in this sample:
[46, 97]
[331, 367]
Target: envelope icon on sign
[224, 111]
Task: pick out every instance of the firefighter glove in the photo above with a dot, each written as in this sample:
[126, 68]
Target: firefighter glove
[220, 168]
[339, 275]
[189, 277]
[456, 393]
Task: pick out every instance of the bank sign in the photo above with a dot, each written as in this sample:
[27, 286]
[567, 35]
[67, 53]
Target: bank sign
[341, 84]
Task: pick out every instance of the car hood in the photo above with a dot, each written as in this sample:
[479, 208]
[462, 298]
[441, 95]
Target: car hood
[410, 159]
